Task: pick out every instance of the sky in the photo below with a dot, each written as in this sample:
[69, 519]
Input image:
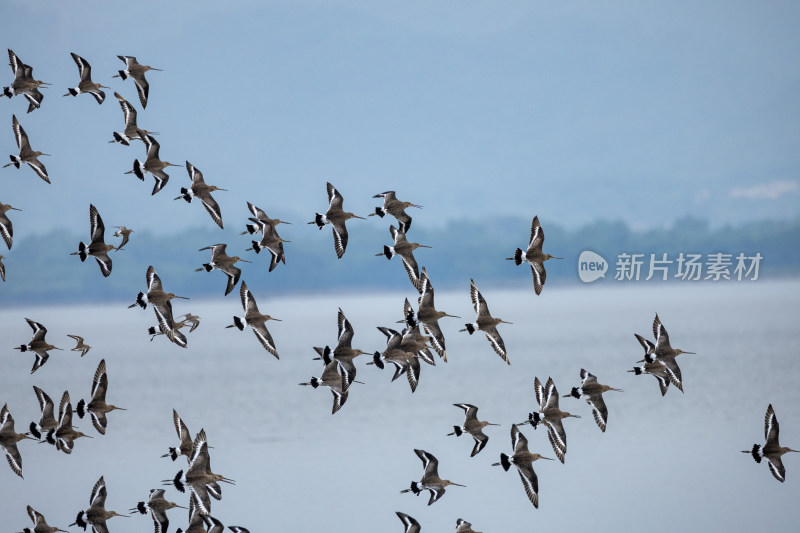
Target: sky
[578, 111]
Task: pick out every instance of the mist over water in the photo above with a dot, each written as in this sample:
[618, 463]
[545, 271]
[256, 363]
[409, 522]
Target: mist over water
[663, 463]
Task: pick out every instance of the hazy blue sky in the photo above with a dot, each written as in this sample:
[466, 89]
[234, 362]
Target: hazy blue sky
[642, 111]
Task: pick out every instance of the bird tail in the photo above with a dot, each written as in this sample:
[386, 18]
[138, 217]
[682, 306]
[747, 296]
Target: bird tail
[380, 212]
[208, 267]
[504, 462]
[256, 246]
[35, 431]
[534, 419]
[251, 228]
[186, 194]
[376, 358]
[152, 330]
[388, 251]
[81, 408]
[137, 169]
[756, 454]
[82, 252]
[637, 370]
[457, 430]
[79, 521]
[72, 91]
[23, 348]
[470, 328]
[319, 220]
[139, 301]
[122, 74]
[118, 139]
[518, 256]
[7, 92]
[575, 392]
[239, 322]
[16, 161]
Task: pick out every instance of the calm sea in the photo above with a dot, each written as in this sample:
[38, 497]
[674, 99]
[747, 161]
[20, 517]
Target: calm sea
[664, 464]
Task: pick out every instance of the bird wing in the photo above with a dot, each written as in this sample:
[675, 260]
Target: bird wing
[7, 230]
[96, 226]
[539, 391]
[143, 88]
[550, 395]
[39, 168]
[775, 466]
[261, 332]
[14, 458]
[100, 382]
[194, 174]
[45, 403]
[497, 343]
[673, 371]
[233, 273]
[335, 199]
[212, 207]
[98, 496]
[84, 68]
[771, 427]
[430, 463]
[436, 335]
[248, 300]
[518, 440]
[104, 262]
[480, 443]
[412, 269]
[20, 135]
[539, 276]
[537, 235]
[339, 237]
[530, 481]
[557, 437]
[41, 359]
[153, 281]
[16, 64]
[599, 410]
[345, 330]
[128, 111]
[587, 378]
[411, 525]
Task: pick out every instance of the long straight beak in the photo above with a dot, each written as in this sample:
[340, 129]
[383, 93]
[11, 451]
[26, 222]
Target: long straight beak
[227, 480]
[547, 458]
[417, 206]
[554, 257]
[425, 246]
[505, 322]
[693, 353]
[457, 484]
[181, 297]
[451, 316]
[14, 208]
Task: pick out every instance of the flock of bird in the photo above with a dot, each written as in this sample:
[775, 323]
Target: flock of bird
[405, 347]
